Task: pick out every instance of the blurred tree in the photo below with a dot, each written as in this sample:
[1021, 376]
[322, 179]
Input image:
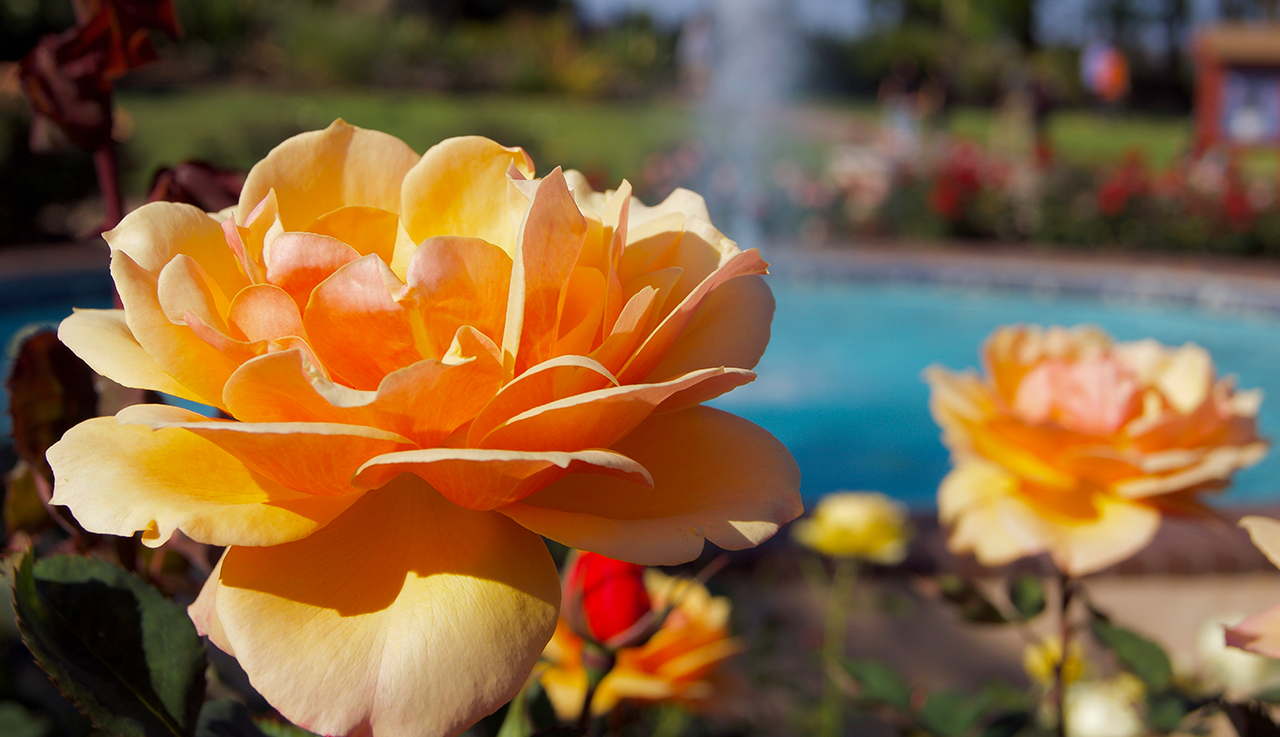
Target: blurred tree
[483, 10]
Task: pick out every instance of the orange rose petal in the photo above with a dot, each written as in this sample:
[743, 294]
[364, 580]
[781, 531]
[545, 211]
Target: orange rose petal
[1121, 529]
[204, 611]
[634, 322]
[406, 615]
[313, 457]
[119, 479]
[647, 243]
[316, 172]
[586, 296]
[1258, 634]
[356, 325]
[155, 233]
[668, 332]
[459, 281]
[547, 248]
[716, 477]
[730, 328]
[560, 377]
[425, 401]
[103, 340]
[184, 287]
[460, 187]
[175, 348]
[298, 262]
[265, 312]
[486, 479]
[601, 418]
[369, 230]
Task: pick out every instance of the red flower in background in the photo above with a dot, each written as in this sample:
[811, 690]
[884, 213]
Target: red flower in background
[1129, 181]
[604, 598]
[958, 183]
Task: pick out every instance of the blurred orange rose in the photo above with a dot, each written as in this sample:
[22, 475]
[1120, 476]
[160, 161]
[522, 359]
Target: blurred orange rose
[1075, 445]
[430, 361]
[679, 664]
[1261, 632]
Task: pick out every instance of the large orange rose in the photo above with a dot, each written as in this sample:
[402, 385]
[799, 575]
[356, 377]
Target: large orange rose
[1076, 445]
[430, 361]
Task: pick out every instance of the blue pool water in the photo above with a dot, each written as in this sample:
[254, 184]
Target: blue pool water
[841, 382]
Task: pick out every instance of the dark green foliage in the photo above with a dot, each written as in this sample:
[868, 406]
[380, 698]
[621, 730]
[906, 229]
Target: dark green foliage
[971, 602]
[879, 684]
[128, 657]
[952, 713]
[1026, 594]
[226, 718]
[1144, 658]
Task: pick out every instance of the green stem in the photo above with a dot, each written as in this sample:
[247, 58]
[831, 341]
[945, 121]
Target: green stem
[1065, 591]
[597, 662]
[833, 646]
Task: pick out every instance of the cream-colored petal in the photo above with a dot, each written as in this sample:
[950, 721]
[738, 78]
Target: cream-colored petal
[404, 616]
[1265, 533]
[118, 479]
[716, 477]
[316, 172]
[102, 339]
[157, 232]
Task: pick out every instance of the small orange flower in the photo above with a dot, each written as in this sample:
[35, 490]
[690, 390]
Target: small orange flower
[679, 664]
[1075, 445]
[430, 361]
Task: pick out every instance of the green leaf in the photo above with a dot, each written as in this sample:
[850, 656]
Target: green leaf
[1143, 657]
[129, 658]
[1166, 711]
[516, 723]
[1251, 719]
[23, 508]
[879, 683]
[972, 604]
[1026, 593]
[951, 713]
[16, 721]
[226, 718]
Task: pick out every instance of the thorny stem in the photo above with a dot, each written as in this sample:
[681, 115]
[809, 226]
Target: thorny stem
[1066, 589]
[833, 645]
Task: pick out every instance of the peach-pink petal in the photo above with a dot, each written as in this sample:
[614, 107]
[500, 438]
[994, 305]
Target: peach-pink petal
[456, 281]
[316, 172]
[547, 248]
[715, 477]
[313, 457]
[557, 378]
[481, 479]
[668, 332]
[178, 351]
[730, 328]
[298, 262]
[405, 616]
[356, 325]
[601, 418]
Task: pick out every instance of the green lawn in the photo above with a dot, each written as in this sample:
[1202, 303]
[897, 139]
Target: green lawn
[234, 127]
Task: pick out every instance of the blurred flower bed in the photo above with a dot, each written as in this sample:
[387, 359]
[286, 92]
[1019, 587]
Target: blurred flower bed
[956, 189]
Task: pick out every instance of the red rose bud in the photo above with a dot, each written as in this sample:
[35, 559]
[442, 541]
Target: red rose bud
[605, 598]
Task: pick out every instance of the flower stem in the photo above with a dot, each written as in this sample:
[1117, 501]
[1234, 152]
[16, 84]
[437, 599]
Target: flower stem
[108, 169]
[833, 645]
[1066, 588]
[597, 661]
